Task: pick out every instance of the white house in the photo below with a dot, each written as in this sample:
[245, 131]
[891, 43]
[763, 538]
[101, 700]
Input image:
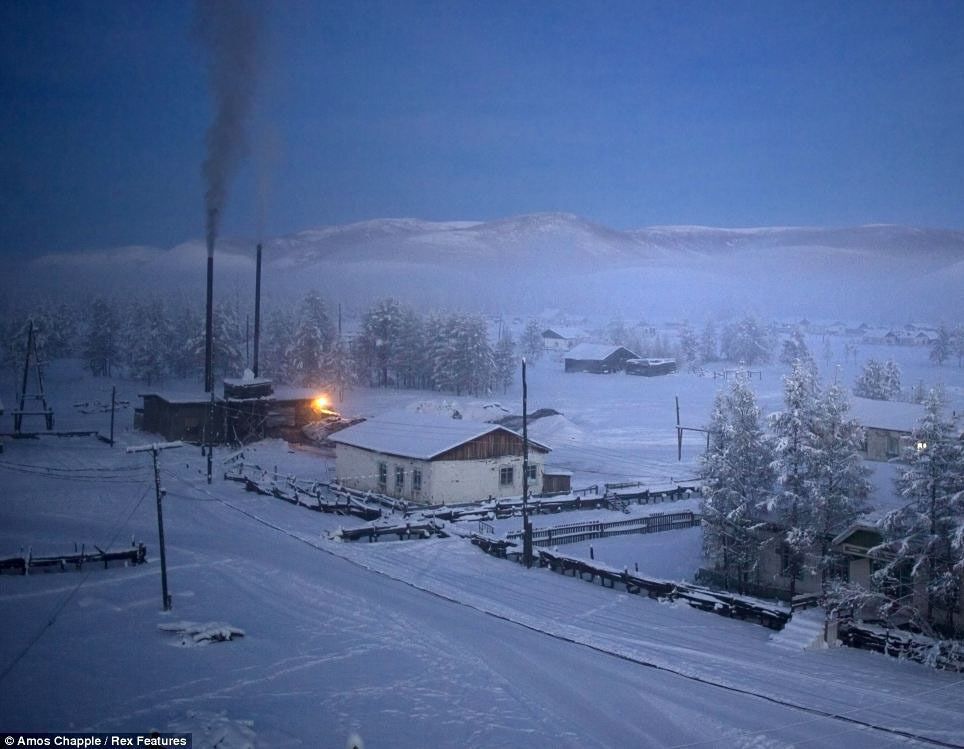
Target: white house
[435, 459]
[561, 339]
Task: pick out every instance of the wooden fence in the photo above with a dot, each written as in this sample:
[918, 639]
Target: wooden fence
[572, 533]
[22, 565]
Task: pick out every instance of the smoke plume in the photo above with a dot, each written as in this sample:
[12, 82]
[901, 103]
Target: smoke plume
[229, 32]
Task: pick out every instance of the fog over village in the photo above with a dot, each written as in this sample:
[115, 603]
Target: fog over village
[482, 375]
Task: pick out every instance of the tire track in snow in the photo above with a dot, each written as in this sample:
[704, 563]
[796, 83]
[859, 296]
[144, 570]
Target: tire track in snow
[818, 713]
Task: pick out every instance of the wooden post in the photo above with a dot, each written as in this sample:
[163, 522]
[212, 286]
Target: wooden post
[113, 404]
[159, 492]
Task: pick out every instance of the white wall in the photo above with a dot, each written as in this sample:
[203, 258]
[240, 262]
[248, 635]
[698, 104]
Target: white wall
[442, 481]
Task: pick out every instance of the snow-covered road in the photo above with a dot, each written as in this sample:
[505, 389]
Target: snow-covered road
[411, 644]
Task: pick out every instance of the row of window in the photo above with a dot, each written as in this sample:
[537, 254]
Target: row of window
[507, 475]
[399, 478]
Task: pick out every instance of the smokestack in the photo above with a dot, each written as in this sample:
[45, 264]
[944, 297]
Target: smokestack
[257, 310]
[229, 32]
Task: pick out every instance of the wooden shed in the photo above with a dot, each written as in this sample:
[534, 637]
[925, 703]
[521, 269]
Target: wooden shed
[598, 358]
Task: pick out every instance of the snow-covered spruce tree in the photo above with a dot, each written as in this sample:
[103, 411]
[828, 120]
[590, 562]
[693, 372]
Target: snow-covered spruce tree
[792, 500]
[311, 341]
[505, 361]
[377, 346]
[339, 367]
[146, 341]
[471, 366]
[183, 323]
[839, 484]
[957, 344]
[531, 343]
[878, 380]
[689, 346]
[709, 346]
[408, 357]
[923, 545]
[738, 478]
[746, 341]
[227, 343]
[276, 340]
[100, 340]
[942, 347]
[794, 348]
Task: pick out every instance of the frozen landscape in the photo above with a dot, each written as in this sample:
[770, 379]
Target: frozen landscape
[411, 643]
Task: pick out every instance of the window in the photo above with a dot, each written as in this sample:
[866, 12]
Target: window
[505, 476]
[382, 475]
[399, 478]
[416, 480]
[532, 472]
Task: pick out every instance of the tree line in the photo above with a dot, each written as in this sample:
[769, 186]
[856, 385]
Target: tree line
[787, 485]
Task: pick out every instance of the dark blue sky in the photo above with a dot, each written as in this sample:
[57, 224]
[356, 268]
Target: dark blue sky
[629, 113]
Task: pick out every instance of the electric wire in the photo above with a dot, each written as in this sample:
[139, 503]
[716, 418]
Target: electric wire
[58, 609]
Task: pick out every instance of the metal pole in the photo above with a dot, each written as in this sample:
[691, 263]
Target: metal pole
[257, 311]
[210, 434]
[209, 323]
[526, 525]
[113, 403]
[18, 416]
[165, 596]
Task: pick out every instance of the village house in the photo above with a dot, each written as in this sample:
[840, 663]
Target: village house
[561, 339]
[435, 459]
[887, 426]
[855, 547]
[598, 358]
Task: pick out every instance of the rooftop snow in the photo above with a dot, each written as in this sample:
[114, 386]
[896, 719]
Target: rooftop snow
[891, 415]
[416, 435]
[594, 351]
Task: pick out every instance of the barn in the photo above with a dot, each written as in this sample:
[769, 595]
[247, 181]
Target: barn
[249, 409]
[435, 459]
[887, 426]
[598, 358]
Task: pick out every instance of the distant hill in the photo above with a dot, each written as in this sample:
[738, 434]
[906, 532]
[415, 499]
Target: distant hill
[562, 260]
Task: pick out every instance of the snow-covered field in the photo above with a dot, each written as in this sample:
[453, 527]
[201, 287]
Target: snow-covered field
[411, 644]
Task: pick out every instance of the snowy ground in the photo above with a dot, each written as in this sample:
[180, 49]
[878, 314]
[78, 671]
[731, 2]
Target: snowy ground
[410, 644]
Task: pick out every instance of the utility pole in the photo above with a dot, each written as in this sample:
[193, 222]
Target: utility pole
[210, 435]
[154, 450]
[526, 525]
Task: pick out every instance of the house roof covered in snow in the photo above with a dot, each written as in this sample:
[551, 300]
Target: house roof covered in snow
[564, 333]
[890, 415]
[417, 435]
[595, 351]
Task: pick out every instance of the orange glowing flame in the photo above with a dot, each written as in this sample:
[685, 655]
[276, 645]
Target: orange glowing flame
[320, 403]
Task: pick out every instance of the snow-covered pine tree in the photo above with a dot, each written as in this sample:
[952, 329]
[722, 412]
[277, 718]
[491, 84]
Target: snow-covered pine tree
[147, 337]
[738, 478]
[709, 343]
[275, 344]
[689, 346]
[183, 324]
[839, 484]
[101, 339]
[227, 343]
[531, 343]
[923, 544]
[792, 501]
[941, 347]
[878, 380]
[505, 360]
[794, 348]
[376, 348]
[746, 341]
[312, 338]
